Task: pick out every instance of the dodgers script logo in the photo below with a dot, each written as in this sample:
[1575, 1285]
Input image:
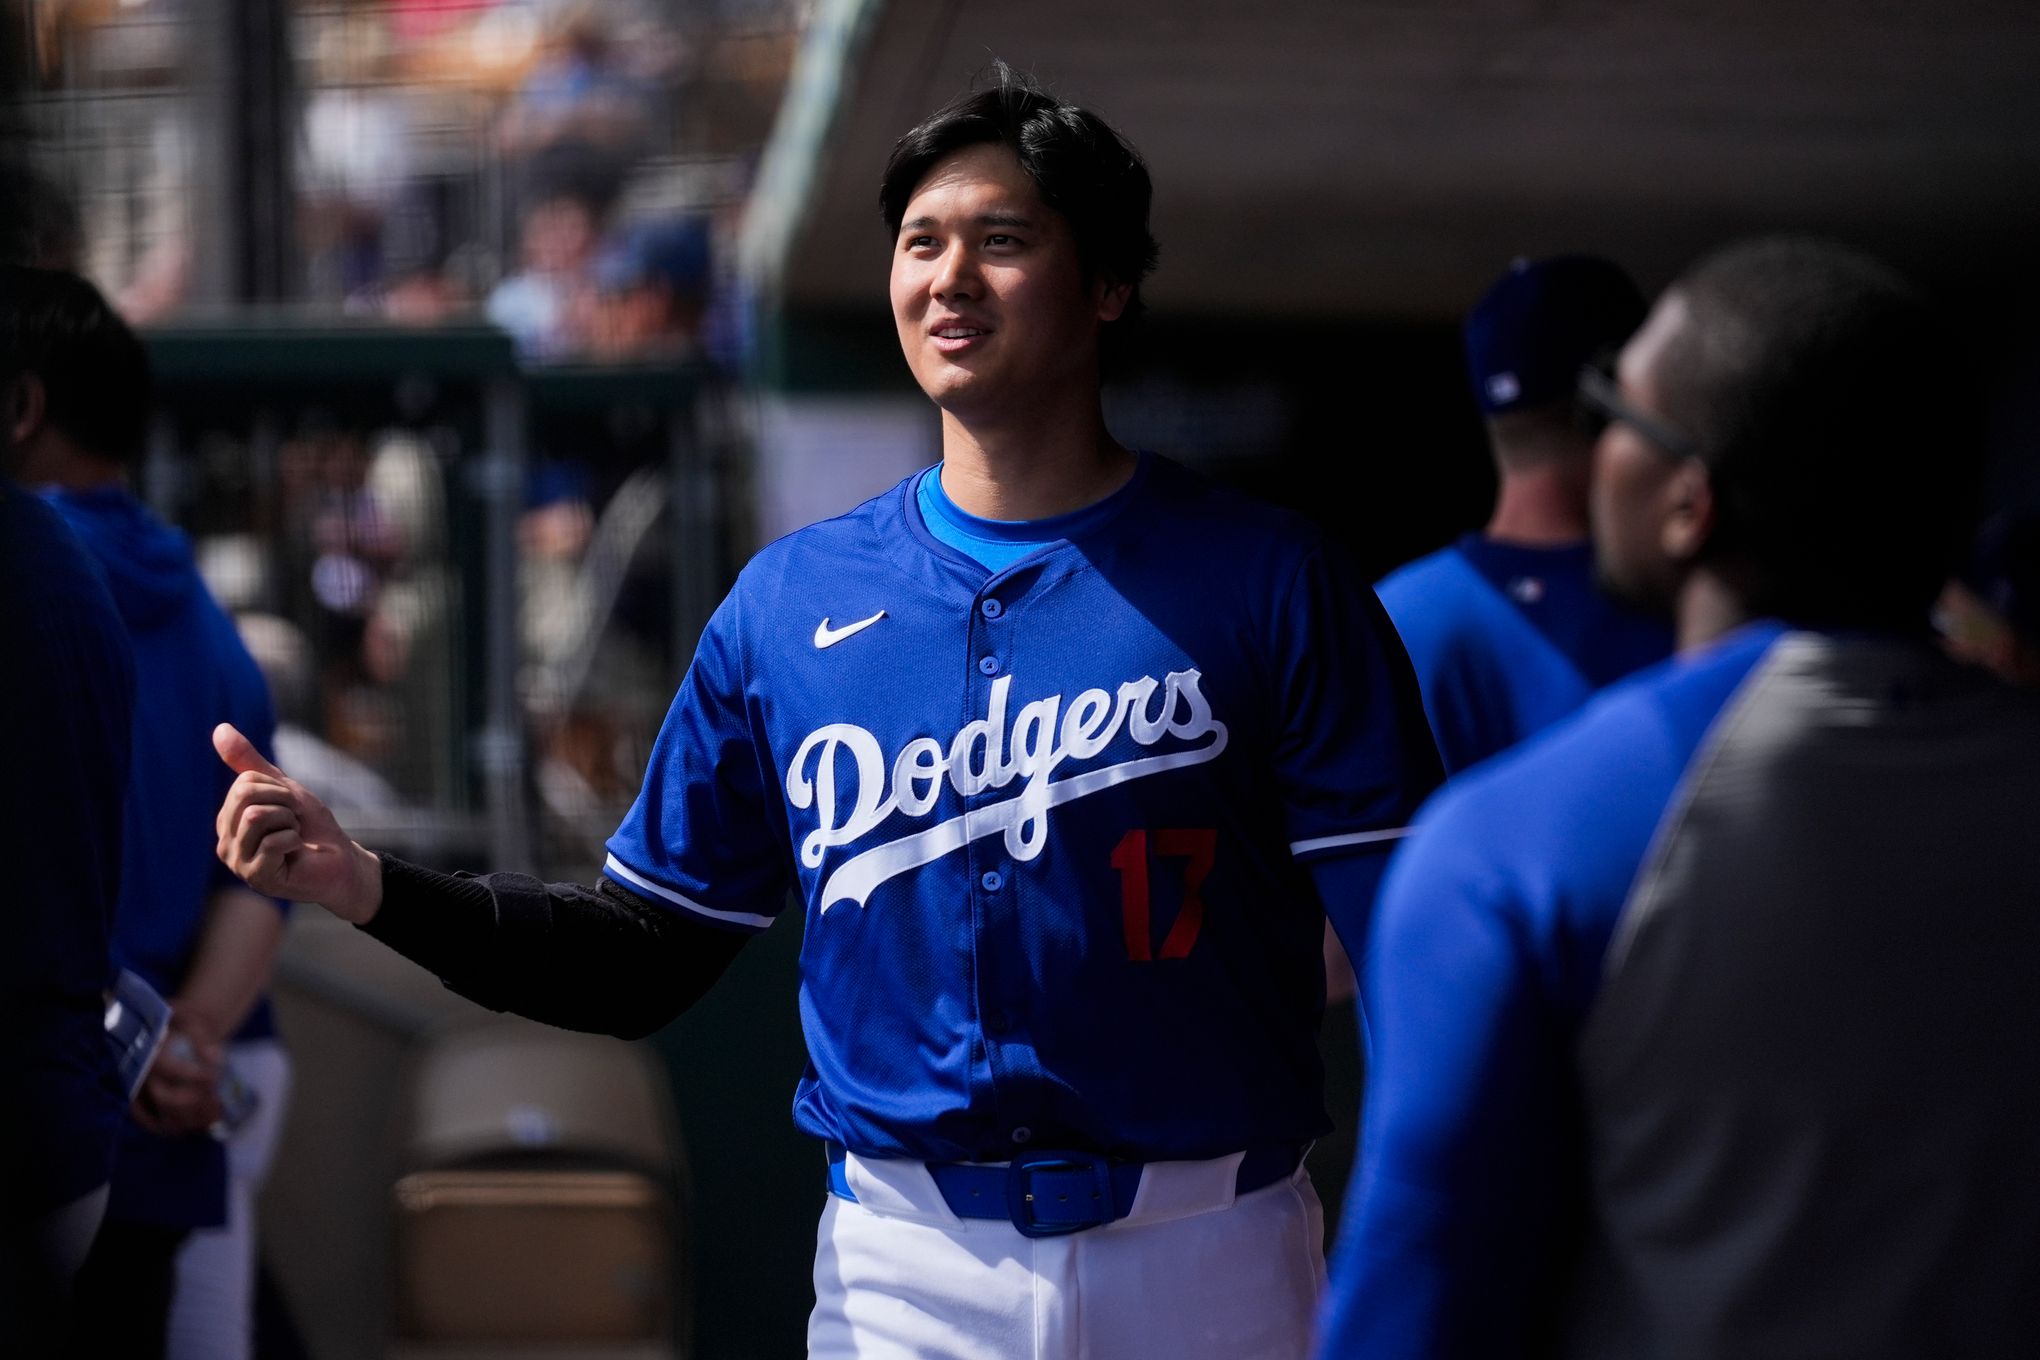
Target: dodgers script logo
[986, 754]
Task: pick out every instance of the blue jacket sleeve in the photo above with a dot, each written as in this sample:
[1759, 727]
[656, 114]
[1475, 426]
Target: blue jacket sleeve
[1451, 1213]
[1492, 930]
[1348, 886]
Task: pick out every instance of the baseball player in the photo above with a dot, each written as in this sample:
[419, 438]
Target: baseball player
[1506, 628]
[1705, 1024]
[1059, 748]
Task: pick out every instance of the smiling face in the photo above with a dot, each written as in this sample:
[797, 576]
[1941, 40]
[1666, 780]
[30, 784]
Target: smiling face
[988, 294]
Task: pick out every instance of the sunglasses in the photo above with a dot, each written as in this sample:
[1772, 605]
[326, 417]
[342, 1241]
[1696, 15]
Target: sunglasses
[1602, 404]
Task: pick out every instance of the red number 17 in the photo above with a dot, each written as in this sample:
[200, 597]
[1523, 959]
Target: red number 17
[1130, 858]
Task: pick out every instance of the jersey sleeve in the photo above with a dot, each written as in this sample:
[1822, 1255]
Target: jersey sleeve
[1355, 756]
[1450, 1212]
[705, 836]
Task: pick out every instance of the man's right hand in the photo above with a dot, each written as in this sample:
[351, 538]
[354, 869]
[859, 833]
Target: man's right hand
[181, 1093]
[284, 842]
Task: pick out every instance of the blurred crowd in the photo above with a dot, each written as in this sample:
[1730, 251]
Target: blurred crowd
[545, 166]
[345, 578]
[596, 268]
[532, 161]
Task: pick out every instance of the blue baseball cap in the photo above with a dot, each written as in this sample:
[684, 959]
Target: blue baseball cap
[671, 252]
[1530, 333]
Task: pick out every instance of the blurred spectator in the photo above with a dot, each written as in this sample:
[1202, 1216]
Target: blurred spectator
[65, 734]
[285, 657]
[1705, 1024]
[1989, 613]
[357, 169]
[552, 535]
[366, 574]
[583, 111]
[45, 232]
[650, 287]
[588, 681]
[408, 644]
[423, 295]
[540, 304]
[193, 932]
[638, 295]
[338, 542]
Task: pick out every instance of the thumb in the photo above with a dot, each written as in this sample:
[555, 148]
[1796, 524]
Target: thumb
[240, 753]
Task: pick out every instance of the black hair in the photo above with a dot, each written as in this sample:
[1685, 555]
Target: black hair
[1081, 167]
[39, 224]
[1831, 410]
[93, 370]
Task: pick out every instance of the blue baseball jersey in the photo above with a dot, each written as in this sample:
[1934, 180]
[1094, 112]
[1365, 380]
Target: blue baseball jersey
[1049, 824]
[1506, 640]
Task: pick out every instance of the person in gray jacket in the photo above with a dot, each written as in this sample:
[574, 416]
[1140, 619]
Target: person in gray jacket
[1705, 1023]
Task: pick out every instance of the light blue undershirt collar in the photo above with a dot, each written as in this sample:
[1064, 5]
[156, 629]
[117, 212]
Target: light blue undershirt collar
[996, 544]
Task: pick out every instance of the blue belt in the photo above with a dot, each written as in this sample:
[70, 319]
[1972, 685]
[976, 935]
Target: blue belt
[1048, 1193]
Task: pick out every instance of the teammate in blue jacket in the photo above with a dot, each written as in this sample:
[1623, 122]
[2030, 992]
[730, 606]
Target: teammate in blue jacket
[183, 923]
[68, 673]
[1506, 628]
[1050, 742]
[1704, 1023]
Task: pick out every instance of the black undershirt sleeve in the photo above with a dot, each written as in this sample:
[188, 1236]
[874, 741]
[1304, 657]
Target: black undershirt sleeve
[600, 959]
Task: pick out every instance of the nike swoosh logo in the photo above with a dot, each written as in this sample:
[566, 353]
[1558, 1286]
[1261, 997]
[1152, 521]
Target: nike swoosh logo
[826, 636]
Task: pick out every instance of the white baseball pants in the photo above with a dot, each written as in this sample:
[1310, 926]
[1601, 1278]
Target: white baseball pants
[212, 1316]
[1192, 1273]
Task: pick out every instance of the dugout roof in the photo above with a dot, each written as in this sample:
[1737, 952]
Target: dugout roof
[1387, 157]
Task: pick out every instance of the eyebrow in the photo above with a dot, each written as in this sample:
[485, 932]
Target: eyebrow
[990, 219]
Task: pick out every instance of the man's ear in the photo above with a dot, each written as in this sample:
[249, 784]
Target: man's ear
[1112, 298]
[1690, 512]
[25, 405]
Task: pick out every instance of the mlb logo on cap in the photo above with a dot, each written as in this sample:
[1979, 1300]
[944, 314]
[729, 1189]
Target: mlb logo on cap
[1529, 334]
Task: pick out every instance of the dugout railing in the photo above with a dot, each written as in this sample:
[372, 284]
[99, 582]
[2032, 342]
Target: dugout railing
[473, 585]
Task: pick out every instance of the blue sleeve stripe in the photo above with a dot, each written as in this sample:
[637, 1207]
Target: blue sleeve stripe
[1347, 841]
[747, 919]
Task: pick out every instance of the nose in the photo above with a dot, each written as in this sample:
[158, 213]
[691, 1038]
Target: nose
[956, 274]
